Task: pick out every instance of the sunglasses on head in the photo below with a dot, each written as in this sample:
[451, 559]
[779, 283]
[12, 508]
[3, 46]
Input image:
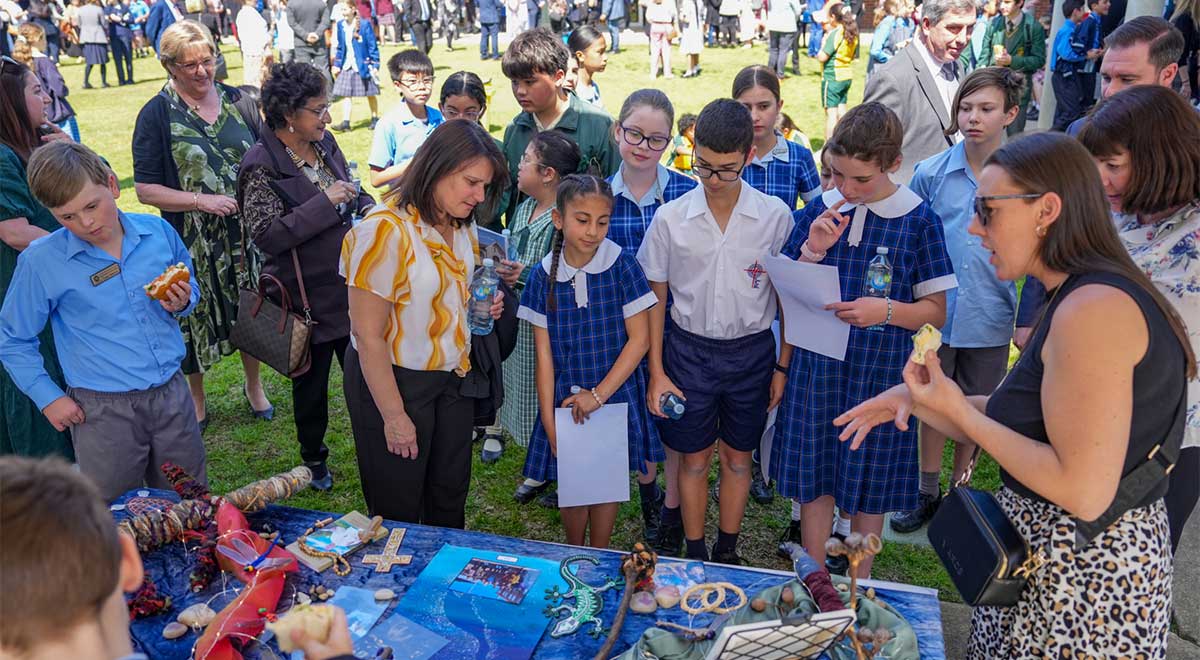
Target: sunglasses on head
[985, 214]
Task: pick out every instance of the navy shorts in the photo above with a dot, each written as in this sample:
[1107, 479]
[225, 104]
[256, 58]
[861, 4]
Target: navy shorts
[727, 384]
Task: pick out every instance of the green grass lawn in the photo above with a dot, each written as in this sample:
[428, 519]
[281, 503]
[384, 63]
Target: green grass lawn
[242, 449]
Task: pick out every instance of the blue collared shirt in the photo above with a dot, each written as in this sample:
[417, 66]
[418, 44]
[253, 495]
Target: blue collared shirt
[631, 217]
[110, 336]
[399, 134]
[1067, 49]
[980, 312]
[787, 171]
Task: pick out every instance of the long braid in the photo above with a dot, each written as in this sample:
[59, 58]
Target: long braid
[556, 254]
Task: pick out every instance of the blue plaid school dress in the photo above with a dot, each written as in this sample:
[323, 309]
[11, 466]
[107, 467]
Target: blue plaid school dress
[532, 237]
[788, 172]
[585, 342]
[807, 459]
[629, 221]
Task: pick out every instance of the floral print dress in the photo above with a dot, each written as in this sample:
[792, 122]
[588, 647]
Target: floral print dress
[207, 157]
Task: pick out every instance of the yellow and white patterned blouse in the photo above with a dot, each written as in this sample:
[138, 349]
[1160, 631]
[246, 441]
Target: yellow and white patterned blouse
[395, 256]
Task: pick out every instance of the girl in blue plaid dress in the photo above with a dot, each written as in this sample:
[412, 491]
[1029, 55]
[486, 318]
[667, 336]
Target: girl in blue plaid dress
[843, 228]
[780, 168]
[587, 302]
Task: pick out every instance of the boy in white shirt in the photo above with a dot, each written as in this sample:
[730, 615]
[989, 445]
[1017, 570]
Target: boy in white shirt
[707, 249]
[255, 39]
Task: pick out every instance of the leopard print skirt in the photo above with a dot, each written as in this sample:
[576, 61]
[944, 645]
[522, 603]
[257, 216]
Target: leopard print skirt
[1112, 600]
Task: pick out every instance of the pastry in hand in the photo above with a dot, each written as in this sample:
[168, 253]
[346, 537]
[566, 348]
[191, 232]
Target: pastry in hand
[162, 284]
[314, 620]
[928, 338]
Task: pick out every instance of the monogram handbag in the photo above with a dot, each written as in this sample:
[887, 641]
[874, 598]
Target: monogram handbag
[989, 560]
[271, 332]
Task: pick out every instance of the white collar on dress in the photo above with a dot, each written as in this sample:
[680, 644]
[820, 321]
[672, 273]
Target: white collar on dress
[779, 152]
[606, 255]
[662, 178]
[895, 205]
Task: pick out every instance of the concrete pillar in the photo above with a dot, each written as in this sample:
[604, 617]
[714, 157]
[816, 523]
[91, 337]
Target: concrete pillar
[1134, 9]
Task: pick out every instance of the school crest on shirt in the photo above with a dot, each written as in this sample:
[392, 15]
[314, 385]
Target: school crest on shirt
[755, 271]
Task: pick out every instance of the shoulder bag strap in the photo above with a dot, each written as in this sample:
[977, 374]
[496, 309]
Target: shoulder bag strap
[303, 293]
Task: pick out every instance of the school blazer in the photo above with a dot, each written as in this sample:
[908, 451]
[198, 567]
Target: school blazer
[905, 85]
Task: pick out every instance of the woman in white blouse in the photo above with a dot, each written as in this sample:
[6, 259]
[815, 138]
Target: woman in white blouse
[1146, 142]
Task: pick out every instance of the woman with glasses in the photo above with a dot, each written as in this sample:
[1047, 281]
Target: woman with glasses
[299, 201]
[188, 145]
[1108, 332]
[1146, 143]
[23, 128]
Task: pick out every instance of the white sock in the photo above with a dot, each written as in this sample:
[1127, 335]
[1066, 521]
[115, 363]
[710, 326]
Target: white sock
[841, 526]
[492, 445]
[533, 483]
[795, 511]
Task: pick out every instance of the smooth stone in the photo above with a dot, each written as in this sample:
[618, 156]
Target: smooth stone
[174, 630]
[643, 603]
[197, 616]
[667, 597]
[385, 594]
[303, 598]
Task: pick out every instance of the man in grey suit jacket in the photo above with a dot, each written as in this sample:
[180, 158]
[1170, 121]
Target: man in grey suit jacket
[309, 19]
[919, 83]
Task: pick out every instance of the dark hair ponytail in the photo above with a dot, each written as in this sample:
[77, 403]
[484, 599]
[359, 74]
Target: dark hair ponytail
[571, 188]
[557, 151]
[464, 83]
[582, 39]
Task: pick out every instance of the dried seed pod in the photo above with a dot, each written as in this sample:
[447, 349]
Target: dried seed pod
[883, 636]
[834, 547]
[854, 540]
[873, 544]
[758, 605]
[866, 635]
[871, 593]
[787, 596]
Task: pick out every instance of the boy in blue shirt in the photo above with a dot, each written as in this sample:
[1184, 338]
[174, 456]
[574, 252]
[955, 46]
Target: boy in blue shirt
[404, 129]
[127, 403]
[1066, 62]
[1091, 36]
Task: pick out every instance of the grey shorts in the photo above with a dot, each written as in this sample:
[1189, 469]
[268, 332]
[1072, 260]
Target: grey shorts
[976, 370]
[127, 436]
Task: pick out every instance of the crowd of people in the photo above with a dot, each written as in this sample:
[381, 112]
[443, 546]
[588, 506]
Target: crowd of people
[637, 277]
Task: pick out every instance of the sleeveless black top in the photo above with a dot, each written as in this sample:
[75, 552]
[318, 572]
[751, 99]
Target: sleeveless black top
[1159, 382]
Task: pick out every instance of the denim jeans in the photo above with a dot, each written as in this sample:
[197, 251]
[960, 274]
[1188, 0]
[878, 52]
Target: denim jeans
[777, 50]
[489, 31]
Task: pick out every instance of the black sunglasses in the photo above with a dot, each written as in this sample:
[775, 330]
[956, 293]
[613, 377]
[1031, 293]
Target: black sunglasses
[985, 214]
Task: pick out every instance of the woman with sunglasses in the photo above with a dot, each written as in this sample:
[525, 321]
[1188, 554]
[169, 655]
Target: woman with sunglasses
[1146, 143]
[1098, 390]
[188, 144]
[23, 128]
[298, 198]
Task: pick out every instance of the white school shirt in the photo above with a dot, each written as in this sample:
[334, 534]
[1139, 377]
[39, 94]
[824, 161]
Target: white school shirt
[719, 284]
[252, 31]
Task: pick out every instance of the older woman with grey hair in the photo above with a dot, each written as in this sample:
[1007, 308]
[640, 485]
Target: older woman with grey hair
[188, 144]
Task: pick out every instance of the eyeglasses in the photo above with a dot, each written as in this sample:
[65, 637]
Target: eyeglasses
[525, 160]
[633, 137]
[417, 83]
[985, 213]
[705, 172]
[206, 63]
[469, 115]
[319, 112]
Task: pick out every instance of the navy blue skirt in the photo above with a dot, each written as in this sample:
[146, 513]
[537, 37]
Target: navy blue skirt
[95, 53]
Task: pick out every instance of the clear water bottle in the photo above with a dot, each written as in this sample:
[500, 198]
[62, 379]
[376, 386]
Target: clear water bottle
[878, 283]
[483, 292]
[671, 405]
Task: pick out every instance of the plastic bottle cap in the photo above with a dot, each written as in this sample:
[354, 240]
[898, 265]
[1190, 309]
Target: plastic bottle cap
[506, 232]
[488, 263]
[881, 250]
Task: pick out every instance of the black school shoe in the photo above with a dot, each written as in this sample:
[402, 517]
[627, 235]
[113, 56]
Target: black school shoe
[670, 540]
[910, 521]
[790, 535]
[652, 518]
[839, 565]
[322, 477]
[730, 558]
[525, 493]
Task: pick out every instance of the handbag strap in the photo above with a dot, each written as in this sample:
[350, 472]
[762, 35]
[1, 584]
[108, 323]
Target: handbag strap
[303, 292]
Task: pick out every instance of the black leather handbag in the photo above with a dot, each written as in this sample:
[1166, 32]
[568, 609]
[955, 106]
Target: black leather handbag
[989, 560]
[271, 332]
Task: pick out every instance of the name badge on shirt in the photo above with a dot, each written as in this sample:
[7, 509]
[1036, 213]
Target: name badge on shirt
[105, 274]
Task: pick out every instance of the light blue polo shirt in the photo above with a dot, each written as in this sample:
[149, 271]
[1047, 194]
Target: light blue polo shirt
[981, 311]
[399, 134]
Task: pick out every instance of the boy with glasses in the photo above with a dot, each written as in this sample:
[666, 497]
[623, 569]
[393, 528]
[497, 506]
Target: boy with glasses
[400, 132]
[706, 249]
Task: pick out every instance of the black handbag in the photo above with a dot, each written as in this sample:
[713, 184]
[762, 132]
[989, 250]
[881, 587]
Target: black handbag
[271, 332]
[989, 560]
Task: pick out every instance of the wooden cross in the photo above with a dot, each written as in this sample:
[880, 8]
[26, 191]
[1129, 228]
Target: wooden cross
[389, 557]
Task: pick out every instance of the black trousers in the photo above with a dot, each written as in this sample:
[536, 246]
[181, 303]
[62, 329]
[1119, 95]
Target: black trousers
[310, 399]
[729, 30]
[432, 488]
[422, 35]
[316, 55]
[122, 52]
[1183, 493]
[1069, 99]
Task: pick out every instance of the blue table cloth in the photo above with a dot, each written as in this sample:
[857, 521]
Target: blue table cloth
[169, 567]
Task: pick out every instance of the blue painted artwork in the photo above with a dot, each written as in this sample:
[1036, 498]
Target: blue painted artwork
[407, 639]
[481, 624]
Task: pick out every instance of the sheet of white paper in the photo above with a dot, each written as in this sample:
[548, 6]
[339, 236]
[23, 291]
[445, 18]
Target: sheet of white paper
[593, 457]
[804, 290]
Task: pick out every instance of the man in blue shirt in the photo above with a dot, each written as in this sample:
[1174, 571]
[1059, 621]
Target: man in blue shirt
[127, 403]
[1066, 62]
